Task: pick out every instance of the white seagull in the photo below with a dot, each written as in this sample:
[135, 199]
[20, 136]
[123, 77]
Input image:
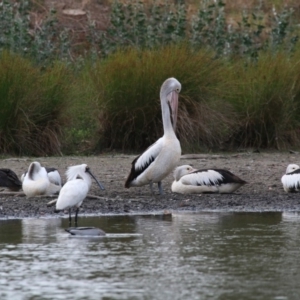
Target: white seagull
[291, 179]
[75, 189]
[162, 157]
[36, 182]
[192, 181]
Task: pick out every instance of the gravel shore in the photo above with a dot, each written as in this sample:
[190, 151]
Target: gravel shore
[262, 171]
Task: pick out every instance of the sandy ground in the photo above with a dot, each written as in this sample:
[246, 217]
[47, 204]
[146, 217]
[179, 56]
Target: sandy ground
[262, 171]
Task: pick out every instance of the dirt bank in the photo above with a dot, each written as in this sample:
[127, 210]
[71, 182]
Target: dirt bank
[262, 171]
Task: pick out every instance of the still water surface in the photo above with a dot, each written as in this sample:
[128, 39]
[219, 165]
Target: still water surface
[187, 256]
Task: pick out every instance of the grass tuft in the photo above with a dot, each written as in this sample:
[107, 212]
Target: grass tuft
[33, 106]
[266, 96]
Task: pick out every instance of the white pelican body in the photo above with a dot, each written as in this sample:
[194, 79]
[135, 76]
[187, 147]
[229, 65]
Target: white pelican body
[9, 180]
[53, 176]
[163, 156]
[191, 181]
[36, 182]
[291, 180]
[75, 189]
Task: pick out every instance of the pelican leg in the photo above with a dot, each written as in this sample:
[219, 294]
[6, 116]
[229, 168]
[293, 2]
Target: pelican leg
[151, 188]
[70, 218]
[76, 216]
[160, 188]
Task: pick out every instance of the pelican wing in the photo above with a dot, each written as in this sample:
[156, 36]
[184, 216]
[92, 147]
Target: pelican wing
[54, 176]
[291, 181]
[9, 178]
[143, 161]
[213, 177]
[203, 177]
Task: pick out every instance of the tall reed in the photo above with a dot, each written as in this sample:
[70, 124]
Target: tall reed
[33, 106]
[127, 86]
[266, 96]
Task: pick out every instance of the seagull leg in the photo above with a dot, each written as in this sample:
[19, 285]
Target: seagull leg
[160, 188]
[76, 216]
[70, 218]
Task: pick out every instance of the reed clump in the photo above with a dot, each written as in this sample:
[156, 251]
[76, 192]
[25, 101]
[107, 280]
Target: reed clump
[33, 106]
[240, 79]
[127, 84]
[266, 97]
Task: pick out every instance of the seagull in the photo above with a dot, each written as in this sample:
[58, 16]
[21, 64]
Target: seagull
[192, 181]
[9, 180]
[291, 179]
[75, 189]
[162, 157]
[85, 231]
[53, 175]
[36, 182]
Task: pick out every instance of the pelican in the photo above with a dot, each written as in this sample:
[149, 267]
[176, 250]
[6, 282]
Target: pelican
[192, 181]
[291, 179]
[36, 182]
[162, 157]
[85, 231]
[75, 189]
[53, 176]
[9, 180]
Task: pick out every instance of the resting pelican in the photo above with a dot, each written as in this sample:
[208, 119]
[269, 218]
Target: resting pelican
[75, 189]
[53, 176]
[291, 179]
[192, 181]
[162, 157]
[36, 182]
[9, 180]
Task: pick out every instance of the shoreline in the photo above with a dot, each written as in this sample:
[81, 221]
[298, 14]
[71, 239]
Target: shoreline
[262, 193]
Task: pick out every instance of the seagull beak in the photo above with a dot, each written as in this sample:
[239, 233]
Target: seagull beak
[98, 182]
[174, 108]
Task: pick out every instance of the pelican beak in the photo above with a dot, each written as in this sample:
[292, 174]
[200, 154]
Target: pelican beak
[174, 108]
[98, 182]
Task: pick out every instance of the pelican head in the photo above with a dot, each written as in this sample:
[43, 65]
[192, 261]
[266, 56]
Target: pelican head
[82, 172]
[169, 92]
[291, 168]
[183, 170]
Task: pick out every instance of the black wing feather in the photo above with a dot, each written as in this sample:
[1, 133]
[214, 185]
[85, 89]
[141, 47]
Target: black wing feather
[228, 177]
[9, 179]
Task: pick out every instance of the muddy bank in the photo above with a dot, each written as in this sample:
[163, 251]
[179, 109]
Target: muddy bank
[262, 171]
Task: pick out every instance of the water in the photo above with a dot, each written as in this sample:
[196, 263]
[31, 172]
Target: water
[187, 256]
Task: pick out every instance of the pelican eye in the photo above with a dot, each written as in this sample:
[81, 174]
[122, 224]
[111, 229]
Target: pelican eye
[87, 169]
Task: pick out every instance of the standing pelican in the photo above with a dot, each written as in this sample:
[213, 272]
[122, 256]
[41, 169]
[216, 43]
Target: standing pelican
[291, 179]
[9, 180]
[191, 181]
[75, 189]
[163, 156]
[36, 182]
